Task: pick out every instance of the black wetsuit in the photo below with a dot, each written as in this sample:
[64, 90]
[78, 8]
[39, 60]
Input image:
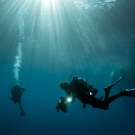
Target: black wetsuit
[83, 94]
[16, 93]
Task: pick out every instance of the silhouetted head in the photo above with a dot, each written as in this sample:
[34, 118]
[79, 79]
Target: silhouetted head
[64, 85]
[16, 86]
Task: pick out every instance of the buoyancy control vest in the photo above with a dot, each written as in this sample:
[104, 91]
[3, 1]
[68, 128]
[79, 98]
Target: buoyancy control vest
[85, 86]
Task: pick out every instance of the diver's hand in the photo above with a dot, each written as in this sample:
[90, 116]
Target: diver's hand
[23, 89]
[57, 109]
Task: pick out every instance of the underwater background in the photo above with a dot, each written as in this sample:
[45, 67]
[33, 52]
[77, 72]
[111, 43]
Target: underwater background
[42, 42]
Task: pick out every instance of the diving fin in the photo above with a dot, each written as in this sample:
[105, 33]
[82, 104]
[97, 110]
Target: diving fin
[22, 113]
[131, 92]
[113, 84]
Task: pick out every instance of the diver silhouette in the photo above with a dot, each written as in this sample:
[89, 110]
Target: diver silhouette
[16, 92]
[81, 89]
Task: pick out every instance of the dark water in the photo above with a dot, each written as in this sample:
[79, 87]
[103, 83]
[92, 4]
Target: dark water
[43, 41]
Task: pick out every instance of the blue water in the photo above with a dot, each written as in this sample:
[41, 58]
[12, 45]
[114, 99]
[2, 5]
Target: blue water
[43, 41]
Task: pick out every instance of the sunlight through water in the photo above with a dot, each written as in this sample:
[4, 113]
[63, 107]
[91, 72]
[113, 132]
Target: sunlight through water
[64, 34]
[94, 4]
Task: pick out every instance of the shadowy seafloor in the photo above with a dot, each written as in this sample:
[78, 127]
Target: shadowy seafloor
[43, 41]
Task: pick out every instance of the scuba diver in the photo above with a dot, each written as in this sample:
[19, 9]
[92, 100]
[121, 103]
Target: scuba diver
[62, 105]
[63, 102]
[16, 92]
[85, 92]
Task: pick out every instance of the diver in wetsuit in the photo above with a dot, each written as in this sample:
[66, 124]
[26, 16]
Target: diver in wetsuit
[16, 92]
[85, 92]
[63, 102]
[62, 105]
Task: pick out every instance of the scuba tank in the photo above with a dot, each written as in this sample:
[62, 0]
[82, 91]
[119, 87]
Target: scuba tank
[87, 87]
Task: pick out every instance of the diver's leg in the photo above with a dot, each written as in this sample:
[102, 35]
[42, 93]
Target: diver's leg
[20, 105]
[127, 92]
[107, 95]
[112, 98]
[108, 88]
[22, 113]
[130, 92]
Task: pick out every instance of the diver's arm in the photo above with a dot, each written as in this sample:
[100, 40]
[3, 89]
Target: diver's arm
[57, 108]
[68, 94]
[73, 98]
[22, 90]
